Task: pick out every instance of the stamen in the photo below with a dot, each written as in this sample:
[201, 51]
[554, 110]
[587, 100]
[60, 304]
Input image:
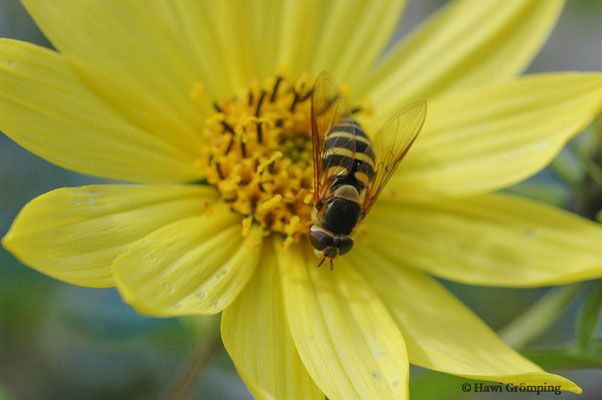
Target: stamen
[260, 155]
[268, 205]
[259, 103]
[246, 225]
[261, 167]
[219, 170]
[243, 149]
[278, 80]
[307, 96]
[259, 132]
[294, 103]
[227, 127]
[293, 225]
[230, 144]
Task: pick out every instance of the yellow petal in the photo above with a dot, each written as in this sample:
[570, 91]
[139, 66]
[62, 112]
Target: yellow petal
[495, 239]
[265, 43]
[492, 137]
[196, 27]
[353, 36]
[142, 57]
[257, 337]
[468, 43]
[346, 338]
[247, 34]
[196, 265]
[441, 333]
[45, 108]
[298, 37]
[74, 234]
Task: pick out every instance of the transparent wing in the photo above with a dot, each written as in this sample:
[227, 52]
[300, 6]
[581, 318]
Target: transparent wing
[329, 109]
[391, 144]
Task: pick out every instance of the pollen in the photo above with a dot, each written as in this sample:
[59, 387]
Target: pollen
[260, 159]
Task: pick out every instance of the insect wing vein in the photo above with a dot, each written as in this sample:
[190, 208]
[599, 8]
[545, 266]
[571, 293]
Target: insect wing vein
[391, 144]
[332, 152]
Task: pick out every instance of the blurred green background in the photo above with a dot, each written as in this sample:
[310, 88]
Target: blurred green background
[59, 341]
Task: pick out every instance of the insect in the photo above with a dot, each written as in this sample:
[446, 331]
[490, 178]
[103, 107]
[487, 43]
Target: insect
[350, 170]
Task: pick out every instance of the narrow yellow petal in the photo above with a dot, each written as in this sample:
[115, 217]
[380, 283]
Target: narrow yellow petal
[248, 36]
[137, 56]
[441, 333]
[74, 234]
[495, 239]
[298, 37]
[490, 138]
[196, 265]
[195, 26]
[353, 36]
[45, 108]
[346, 338]
[264, 23]
[257, 337]
[468, 43]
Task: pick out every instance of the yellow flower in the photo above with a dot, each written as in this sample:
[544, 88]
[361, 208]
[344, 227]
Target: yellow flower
[154, 92]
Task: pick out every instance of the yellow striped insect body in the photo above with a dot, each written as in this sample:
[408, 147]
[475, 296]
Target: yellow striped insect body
[350, 170]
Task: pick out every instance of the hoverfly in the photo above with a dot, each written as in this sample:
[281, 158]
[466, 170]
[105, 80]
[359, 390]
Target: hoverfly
[350, 170]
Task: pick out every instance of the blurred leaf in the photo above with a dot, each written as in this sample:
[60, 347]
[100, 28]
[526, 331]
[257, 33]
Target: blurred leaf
[594, 172]
[599, 216]
[538, 317]
[438, 385]
[3, 394]
[589, 317]
[205, 345]
[567, 358]
[21, 306]
[201, 325]
[586, 148]
[548, 192]
[586, 143]
[569, 167]
[598, 128]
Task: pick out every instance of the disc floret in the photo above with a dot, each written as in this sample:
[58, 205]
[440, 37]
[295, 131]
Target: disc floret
[260, 158]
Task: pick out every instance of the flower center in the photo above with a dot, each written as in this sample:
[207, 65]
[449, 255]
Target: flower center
[260, 160]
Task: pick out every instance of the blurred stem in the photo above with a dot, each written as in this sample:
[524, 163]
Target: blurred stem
[437, 385]
[589, 154]
[591, 161]
[569, 169]
[538, 317]
[594, 171]
[566, 357]
[207, 328]
[589, 317]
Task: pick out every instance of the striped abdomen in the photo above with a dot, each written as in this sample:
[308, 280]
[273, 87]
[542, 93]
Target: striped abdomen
[348, 155]
[349, 164]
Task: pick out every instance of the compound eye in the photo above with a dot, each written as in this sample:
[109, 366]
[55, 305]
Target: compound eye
[320, 240]
[344, 245]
